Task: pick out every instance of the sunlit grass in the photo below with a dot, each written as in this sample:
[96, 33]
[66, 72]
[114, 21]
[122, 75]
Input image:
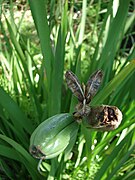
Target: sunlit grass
[35, 53]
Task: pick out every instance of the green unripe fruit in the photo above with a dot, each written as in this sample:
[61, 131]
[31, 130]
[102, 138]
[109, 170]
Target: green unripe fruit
[52, 136]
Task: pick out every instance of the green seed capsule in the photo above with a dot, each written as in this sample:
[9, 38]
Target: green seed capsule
[52, 136]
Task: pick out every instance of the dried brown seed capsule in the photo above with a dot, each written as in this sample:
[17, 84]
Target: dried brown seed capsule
[104, 118]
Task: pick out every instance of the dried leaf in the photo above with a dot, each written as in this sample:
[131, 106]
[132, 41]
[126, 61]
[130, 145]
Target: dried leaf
[92, 85]
[74, 85]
